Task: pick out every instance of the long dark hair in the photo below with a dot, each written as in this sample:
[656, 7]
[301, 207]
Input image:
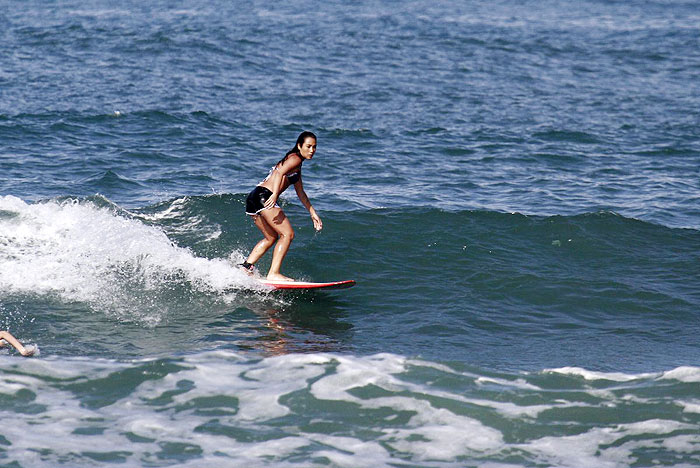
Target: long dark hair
[300, 141]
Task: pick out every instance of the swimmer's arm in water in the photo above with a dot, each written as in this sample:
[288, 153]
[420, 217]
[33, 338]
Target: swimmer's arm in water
[4, 335]
[299, 187]
[277, 179]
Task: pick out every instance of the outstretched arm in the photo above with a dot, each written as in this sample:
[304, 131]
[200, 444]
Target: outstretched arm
[4, 335]
[299, 187]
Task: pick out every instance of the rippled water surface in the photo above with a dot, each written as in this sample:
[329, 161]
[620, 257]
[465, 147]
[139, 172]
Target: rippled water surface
[514, 186]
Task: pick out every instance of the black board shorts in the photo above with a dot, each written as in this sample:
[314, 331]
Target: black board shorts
[255, 202]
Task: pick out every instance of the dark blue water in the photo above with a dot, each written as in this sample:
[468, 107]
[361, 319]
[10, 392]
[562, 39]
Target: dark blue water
[514, 186]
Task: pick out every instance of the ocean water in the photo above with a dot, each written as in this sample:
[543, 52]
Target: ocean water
[514, 185]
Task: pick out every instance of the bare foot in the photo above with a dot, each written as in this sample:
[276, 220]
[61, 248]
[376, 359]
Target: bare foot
[278, 277]
[250, 271]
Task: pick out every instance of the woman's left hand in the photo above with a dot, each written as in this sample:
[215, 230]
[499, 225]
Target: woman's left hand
[318, 224]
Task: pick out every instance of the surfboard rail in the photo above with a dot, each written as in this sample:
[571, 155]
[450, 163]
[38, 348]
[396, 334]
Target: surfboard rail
[306, 285]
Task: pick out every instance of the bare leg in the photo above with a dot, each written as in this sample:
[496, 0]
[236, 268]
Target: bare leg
[270, 236]
[13, 341]
[276, 219]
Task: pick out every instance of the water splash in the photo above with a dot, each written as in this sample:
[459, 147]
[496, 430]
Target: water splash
[82, 251]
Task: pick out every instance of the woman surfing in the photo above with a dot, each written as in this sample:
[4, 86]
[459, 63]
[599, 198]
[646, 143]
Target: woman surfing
[261, 204]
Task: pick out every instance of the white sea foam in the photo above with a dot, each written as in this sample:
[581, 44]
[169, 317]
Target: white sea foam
[346, 451]
[683, 443]
[690, 406]
[430, 434]
[85, 253]
[593, 375]
[235, 411]
[600, 447]
[173, 211]
[518, 383]
[684, 374]
[482, 380]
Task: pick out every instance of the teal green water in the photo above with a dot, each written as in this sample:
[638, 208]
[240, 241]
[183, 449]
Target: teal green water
[505, 291]
[513, 185]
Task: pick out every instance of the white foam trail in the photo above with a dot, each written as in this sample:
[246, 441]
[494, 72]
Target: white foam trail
[593, 375]
[685, 374]
[517, 383]
[85, 253]
[691, 406]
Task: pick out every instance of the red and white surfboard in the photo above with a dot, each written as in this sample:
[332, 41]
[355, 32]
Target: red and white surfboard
[309, 285]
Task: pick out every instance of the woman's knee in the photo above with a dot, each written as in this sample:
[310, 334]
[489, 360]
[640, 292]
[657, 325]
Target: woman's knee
[270, 239]
[288, 234]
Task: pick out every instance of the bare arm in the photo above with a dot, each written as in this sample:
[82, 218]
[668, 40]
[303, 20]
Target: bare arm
[4, 335]
[299, 187]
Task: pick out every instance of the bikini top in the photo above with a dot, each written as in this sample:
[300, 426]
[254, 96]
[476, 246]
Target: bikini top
[292, 177]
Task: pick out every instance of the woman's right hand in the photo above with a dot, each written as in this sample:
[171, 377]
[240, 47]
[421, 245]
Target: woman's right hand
[270, 202]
